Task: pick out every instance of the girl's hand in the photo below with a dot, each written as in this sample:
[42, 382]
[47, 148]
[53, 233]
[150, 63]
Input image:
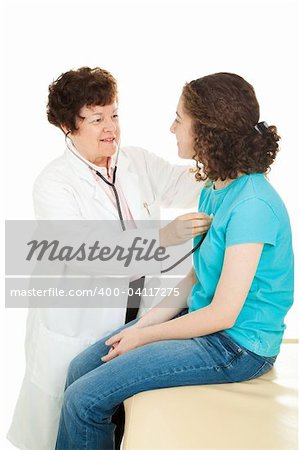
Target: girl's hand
[124, 341]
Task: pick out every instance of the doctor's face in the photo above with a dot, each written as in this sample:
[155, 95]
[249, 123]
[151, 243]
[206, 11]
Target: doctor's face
[182, 128]
[98, 133]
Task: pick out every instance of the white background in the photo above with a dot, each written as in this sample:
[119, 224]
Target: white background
[152, 48]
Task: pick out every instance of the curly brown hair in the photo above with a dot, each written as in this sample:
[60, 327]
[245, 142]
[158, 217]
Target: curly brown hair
[224, 112]
[75, 89]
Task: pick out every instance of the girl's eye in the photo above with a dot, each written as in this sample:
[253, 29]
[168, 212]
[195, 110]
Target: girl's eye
[115, 116]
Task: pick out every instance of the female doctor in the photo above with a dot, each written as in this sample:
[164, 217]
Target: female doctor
[82, 184]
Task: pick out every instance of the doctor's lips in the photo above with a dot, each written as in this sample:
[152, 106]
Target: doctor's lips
[109, 140]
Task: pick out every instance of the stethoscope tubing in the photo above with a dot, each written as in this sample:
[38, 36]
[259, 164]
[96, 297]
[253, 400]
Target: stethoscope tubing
[112, 185]
[197, 246]
[121, 219]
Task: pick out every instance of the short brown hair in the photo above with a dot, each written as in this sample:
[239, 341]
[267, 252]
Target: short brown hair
[75, 89]
[224, 112]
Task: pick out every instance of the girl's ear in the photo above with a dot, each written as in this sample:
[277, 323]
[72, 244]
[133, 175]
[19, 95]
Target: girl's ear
[65, 129]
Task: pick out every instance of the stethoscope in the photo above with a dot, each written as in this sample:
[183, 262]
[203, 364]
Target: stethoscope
[112, 185]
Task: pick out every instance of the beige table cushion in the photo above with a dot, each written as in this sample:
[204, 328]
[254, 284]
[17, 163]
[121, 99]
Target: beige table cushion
[258, 415]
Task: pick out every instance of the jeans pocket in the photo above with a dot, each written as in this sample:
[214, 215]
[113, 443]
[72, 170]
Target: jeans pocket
[233, 345]
[220, 350]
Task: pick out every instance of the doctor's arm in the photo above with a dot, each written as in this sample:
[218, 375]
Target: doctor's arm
[239, 267]
[54, 200]
[175, 185]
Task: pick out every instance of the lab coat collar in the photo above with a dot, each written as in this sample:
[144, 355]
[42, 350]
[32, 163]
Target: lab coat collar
[83, 167]
[128, 180]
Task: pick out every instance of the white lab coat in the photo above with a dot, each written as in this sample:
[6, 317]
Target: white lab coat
[66, 189]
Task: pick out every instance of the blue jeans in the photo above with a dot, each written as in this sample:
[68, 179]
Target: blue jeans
[95, 389]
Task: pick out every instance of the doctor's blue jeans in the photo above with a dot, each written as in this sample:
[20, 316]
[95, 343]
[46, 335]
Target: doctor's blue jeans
[95, 389]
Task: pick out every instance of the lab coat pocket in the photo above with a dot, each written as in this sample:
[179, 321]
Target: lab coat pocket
[151, 209]
[53, 354]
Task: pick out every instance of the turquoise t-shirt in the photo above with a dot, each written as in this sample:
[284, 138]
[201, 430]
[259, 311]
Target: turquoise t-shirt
[249, 210]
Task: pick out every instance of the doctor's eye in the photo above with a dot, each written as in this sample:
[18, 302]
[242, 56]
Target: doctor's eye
[96, 121]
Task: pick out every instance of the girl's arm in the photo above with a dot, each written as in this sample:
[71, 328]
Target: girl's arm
[239, 267]
[171, 305]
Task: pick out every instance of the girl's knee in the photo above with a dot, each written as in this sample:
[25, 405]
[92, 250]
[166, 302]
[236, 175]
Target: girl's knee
[74, 403]
[79, 406]
[75, 371]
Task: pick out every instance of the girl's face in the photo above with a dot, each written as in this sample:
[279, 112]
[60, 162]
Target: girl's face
[182, 128]
[98, 133]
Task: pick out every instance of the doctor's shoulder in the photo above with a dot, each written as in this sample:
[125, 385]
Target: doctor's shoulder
[133, 154]
[53, 191]
[144, 160]
[57, 170]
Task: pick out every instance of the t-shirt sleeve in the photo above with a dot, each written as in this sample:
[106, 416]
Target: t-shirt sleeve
[252, 221]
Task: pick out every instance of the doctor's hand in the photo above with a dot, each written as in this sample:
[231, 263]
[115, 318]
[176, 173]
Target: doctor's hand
[122, 342]
[183, 228]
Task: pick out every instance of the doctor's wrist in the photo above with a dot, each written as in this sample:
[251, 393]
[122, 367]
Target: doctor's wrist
[164, 236]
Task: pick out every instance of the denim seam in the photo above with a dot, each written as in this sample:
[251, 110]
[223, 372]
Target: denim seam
[233, 344]
[132, 383]
[238, 351]
[85, 446]
[266, 363]
[152, 377]
[145, 379]
[231, 361]
[148, 378]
